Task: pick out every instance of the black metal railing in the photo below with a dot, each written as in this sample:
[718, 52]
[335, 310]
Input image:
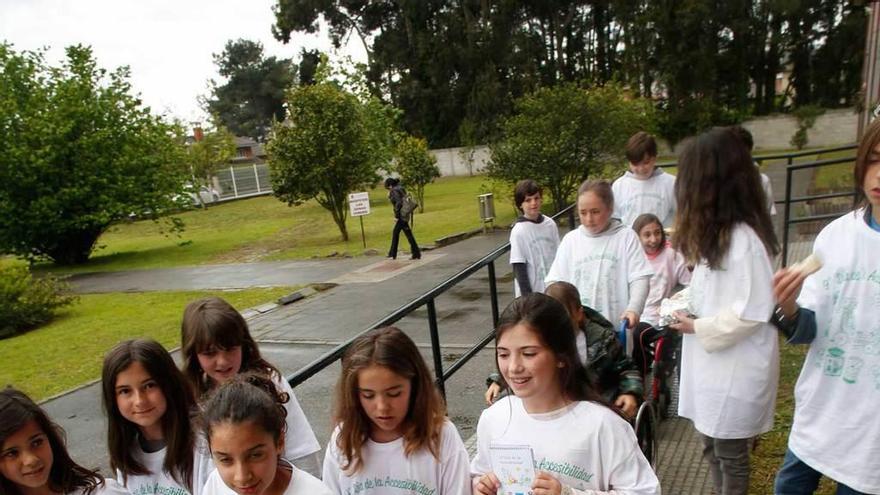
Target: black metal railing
[427, 299]
[788, 157]
[788, 200]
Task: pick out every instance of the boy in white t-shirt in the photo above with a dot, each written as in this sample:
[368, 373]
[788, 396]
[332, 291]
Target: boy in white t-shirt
[533, 240]
[836, 310]
[644, 188]
[746, 137]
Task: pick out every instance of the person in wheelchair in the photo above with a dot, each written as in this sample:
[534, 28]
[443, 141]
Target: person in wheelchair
[612, 371]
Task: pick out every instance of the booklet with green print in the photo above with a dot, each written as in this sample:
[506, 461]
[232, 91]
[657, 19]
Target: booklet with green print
[514, 465]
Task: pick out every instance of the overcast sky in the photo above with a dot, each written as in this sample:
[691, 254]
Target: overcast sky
[167, 44]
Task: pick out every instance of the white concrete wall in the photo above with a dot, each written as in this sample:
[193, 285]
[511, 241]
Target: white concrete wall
[833, 128]
[773, 132]
[454, 161]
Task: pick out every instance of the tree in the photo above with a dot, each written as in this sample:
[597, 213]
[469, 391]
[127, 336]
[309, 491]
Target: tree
[204, 155]
[308, 64]
[416, 165]
[560, 136]
[330, 145]
[253, 94]
[80, 152]
[455, 67]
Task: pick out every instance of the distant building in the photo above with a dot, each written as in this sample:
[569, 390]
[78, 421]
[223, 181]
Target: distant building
[248, 151]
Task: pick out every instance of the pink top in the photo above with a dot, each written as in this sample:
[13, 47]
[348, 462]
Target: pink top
[670, 270]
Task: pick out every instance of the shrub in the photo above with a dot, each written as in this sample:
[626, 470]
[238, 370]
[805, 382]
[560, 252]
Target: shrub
[806, 118]
[26, 301]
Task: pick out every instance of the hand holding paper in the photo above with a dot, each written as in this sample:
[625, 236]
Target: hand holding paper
[514, 466]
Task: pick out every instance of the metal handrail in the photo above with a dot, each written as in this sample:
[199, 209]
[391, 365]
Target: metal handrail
[427, 299]
[788, 156]
[788, 201]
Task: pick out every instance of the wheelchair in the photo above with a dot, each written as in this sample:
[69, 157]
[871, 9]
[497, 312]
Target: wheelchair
[660, 351]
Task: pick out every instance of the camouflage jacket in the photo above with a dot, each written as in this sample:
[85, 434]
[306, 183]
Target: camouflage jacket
[614, 372]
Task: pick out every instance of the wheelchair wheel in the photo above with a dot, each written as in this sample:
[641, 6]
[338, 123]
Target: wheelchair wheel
[645, 426]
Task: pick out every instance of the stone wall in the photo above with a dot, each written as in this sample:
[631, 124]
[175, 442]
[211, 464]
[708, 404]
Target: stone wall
[462, 161]
[833, 128]
[773, 132]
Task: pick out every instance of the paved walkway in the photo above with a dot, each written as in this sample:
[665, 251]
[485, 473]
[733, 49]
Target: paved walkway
[232, 276]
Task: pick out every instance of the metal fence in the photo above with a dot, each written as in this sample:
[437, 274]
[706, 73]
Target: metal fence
[242, 181]
[785, 204]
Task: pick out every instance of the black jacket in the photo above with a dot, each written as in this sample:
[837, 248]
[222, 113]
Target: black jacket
[396, 195]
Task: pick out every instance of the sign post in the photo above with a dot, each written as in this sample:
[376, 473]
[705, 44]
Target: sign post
[358, 206]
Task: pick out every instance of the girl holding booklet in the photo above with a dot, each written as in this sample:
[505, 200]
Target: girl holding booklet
[578, 443]
[392, 434]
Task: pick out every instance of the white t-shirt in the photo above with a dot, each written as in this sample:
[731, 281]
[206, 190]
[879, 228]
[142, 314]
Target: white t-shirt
[670, 269]
[731, 393]
[159, 482]
[584, 445]
[837, 396]
[110, 487]
[633, 197]
[301, 483]
[768, 192]
[601, 268]
[299, 441]
[535, 245]
[387, 470]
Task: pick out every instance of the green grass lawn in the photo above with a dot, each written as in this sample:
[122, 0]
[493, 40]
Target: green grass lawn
[837, 177]
[68, 351]
[264, 228]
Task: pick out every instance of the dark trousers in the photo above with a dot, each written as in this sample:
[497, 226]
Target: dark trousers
[395, 237]
[797, 478]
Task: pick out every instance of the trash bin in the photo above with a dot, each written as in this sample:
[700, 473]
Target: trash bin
[487, 207]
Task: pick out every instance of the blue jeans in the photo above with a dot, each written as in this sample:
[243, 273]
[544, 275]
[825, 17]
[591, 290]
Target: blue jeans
[795, 477]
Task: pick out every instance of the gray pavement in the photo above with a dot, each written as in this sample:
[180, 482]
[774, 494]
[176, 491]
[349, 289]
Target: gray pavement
[232, 276]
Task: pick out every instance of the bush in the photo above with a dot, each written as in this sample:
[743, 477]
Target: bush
[26, 302]
[806, 118]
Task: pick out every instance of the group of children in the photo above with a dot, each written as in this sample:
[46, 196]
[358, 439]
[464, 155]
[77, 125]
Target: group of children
[227, 422]
[724, 247]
